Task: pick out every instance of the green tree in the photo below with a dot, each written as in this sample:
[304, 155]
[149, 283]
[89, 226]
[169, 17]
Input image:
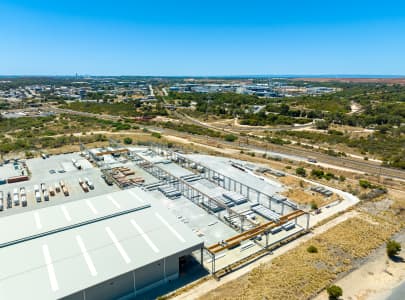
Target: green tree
[393, 248]
[334, 292]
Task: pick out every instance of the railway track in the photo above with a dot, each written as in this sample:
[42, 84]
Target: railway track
[253, 144]
[350, 163]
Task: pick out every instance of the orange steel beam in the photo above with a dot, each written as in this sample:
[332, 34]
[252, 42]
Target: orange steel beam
[112, 152]
[237, 239]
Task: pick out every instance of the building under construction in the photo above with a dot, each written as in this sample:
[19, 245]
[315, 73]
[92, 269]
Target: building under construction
[146, 216]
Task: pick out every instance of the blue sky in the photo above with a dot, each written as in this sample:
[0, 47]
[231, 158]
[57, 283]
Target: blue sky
[208, 37]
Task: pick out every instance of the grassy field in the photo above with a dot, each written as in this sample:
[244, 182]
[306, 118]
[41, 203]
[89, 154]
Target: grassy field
[299, 274]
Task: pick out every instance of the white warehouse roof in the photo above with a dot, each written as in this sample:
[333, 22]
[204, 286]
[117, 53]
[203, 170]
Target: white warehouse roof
[56, 251]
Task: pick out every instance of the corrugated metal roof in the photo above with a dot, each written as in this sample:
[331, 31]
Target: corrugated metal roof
[55, 251]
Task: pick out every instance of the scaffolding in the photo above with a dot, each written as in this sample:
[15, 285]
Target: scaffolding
[226, 182]
[198, 197]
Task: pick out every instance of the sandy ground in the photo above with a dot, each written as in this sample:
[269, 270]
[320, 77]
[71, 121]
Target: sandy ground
[355, 107]
[211, 284]
[375, 279]
[212, 148]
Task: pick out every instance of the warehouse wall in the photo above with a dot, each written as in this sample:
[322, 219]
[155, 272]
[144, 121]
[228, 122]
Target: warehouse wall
[146, 278]
[107, 290]
[149, 274]
[112, 289]
[75, 296]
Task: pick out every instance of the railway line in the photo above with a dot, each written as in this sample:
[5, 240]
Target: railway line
[251, 144]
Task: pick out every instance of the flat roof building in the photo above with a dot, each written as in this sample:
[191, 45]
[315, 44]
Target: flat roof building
[103, 247]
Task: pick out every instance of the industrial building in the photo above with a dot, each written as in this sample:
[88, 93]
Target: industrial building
[133, 219]
[104, 247]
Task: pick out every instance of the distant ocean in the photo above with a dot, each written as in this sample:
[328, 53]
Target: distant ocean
[309, 76]
[286, 76]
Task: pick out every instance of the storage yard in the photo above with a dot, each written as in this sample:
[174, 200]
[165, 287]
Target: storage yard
[227, 208]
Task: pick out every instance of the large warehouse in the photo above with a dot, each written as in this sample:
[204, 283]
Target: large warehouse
[103, 247]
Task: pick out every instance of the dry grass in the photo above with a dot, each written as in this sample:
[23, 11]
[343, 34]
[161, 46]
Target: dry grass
[301, 196]
[299, 192]
[298, 274]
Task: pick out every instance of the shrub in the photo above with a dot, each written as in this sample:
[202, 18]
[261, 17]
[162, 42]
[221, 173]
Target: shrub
[393, 248]
[301, 172]
[230, 138]
[29, 154]
[314, 206]
[317, 173]
[320, 124]
[329, 176]
[156, 135]
[127, 141]
[365, 184]
[334, 292]
[312, 249]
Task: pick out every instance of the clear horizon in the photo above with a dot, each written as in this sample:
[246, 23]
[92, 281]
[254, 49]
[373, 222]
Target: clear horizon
[338, 76]
[186, 39]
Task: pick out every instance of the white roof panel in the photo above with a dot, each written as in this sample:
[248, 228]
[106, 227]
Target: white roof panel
[71, 255]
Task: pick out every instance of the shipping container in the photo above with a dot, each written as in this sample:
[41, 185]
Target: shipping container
[17, 179]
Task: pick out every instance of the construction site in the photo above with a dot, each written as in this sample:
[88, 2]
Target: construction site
[235, 211]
